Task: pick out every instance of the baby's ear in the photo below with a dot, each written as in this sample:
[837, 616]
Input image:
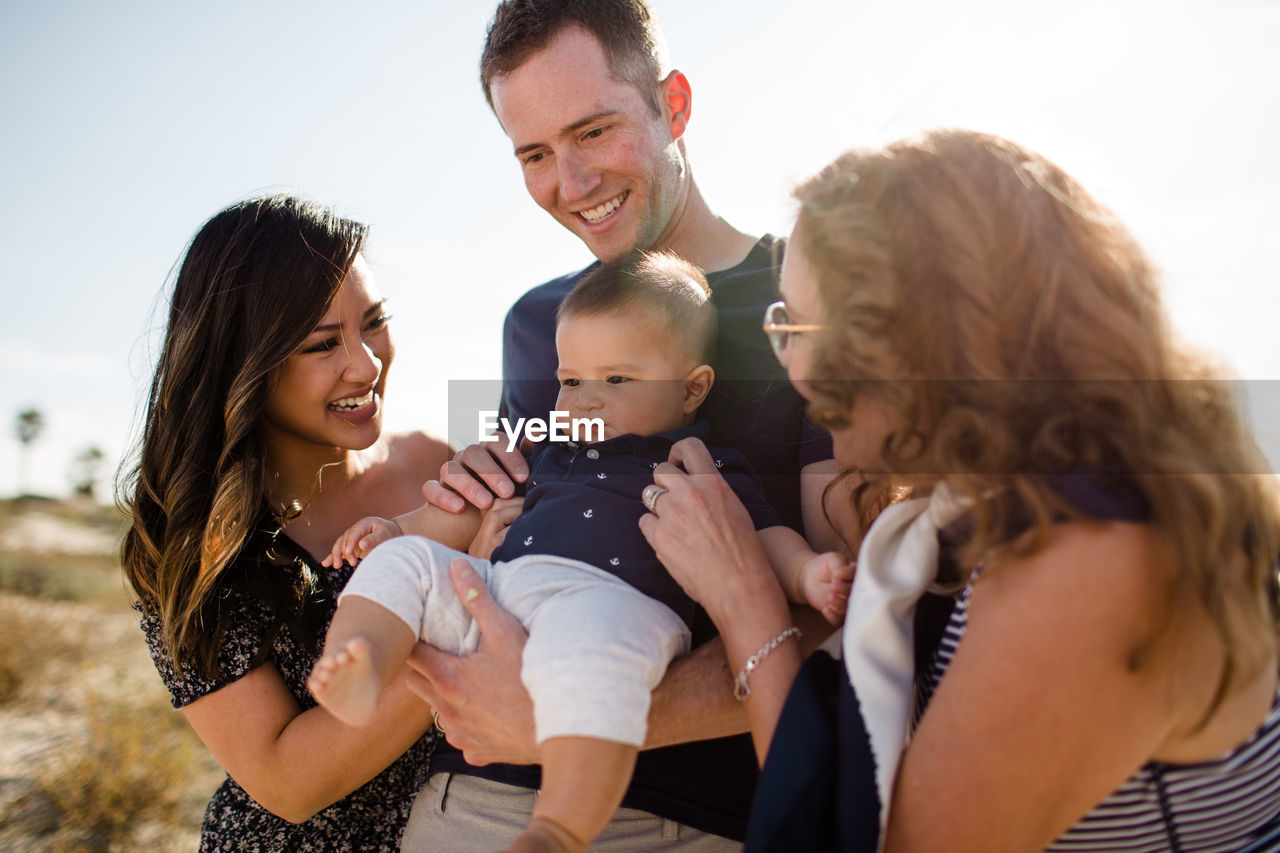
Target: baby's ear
[697, 384]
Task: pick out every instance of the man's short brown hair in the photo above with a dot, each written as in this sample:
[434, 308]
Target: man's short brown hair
[626, 30]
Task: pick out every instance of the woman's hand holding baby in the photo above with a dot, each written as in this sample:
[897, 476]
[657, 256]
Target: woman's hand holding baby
[702, 533]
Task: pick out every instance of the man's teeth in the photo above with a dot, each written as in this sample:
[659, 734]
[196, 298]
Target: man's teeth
[595, 214]
[350, 404]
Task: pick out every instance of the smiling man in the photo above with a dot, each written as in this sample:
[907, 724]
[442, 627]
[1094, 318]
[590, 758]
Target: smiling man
[596, 124]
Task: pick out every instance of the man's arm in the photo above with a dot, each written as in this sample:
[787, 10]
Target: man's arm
[485, 711]
[695, 700]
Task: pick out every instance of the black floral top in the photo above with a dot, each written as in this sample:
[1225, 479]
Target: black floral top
[371, 818]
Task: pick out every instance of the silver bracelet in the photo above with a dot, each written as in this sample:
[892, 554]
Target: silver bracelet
[741, 690]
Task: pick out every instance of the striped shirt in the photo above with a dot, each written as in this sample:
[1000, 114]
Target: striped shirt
[1230, 803]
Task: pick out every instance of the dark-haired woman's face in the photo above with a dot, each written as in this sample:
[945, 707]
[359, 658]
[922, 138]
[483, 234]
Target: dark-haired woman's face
[329, 392]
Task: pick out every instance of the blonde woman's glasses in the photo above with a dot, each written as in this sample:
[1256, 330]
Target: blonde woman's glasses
[780, 329]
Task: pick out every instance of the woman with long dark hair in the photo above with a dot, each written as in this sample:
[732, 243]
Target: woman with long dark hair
[1078, 496]
[262, 442]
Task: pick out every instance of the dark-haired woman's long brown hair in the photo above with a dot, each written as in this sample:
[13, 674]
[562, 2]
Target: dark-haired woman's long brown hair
[255, 281]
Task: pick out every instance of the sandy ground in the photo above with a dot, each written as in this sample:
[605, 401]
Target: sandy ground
[41, 531]
[86, 653]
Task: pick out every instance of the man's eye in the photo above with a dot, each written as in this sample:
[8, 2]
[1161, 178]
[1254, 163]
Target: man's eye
[533, 158]
[595, 132]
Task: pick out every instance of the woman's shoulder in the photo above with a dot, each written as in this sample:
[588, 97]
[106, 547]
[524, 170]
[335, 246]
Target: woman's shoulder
[1114, 575]
[406, 460]
[416, 450]
[1106, 592]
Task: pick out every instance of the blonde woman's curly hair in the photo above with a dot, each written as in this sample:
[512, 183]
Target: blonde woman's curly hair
[1016, 330]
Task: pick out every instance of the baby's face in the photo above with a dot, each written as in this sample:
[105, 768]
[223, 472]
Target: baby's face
[624, 369]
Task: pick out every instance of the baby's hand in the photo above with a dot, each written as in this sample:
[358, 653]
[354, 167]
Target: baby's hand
[825, 580]
[361, 538]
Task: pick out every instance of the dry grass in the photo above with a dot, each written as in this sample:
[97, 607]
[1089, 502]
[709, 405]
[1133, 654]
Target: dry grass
[128, 766]
[92, 756]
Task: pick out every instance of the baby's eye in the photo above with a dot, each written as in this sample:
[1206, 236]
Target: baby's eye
[571, 383]
[616, 380]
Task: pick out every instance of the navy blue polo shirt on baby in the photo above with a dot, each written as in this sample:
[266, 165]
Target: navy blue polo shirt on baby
[583, 502]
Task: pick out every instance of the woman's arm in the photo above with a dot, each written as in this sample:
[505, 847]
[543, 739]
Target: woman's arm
[293, 762]
[702, 534]
[1064, 683]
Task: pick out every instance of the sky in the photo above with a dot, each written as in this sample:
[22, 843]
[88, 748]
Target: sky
[127, 125]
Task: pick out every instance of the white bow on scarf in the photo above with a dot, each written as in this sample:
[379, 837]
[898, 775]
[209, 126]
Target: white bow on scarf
[897, 562]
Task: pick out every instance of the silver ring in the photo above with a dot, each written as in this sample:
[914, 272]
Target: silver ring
[435, 717]
[651, 494]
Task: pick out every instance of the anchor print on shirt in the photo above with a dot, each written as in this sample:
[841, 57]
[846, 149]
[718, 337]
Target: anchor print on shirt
[613, 561]
[588, 513]
[528, 540]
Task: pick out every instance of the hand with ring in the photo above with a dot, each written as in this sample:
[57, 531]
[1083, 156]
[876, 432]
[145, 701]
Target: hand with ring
[650, 496]
[703, 535]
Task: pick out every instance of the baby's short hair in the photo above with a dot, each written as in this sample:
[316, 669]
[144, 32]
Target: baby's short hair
[668, 288]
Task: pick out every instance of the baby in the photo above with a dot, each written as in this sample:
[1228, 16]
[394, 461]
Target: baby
[604, 618]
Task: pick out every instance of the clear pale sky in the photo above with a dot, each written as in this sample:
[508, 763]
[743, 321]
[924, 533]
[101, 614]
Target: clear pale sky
[126, 125]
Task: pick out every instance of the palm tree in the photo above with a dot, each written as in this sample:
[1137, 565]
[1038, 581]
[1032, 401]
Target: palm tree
[28, 428]
[84, 470]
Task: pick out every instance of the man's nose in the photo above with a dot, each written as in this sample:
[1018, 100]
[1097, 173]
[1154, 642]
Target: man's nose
[578, 177]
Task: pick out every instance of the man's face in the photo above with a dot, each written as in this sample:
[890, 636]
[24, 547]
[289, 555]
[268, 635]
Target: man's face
[593, 153]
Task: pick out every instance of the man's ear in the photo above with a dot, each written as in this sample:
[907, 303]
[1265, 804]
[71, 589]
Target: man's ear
[677, 102]
[697, 384]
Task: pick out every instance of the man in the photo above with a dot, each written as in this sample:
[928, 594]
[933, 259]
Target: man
[597, 128]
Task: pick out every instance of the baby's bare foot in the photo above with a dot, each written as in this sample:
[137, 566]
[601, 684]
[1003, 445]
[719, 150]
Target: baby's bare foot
[345, 683]
[546, 836]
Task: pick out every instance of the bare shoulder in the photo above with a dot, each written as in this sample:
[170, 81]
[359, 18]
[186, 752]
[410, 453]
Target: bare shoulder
[1114, 577]
[407, 460]
[417, 451]
[1100, 601]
